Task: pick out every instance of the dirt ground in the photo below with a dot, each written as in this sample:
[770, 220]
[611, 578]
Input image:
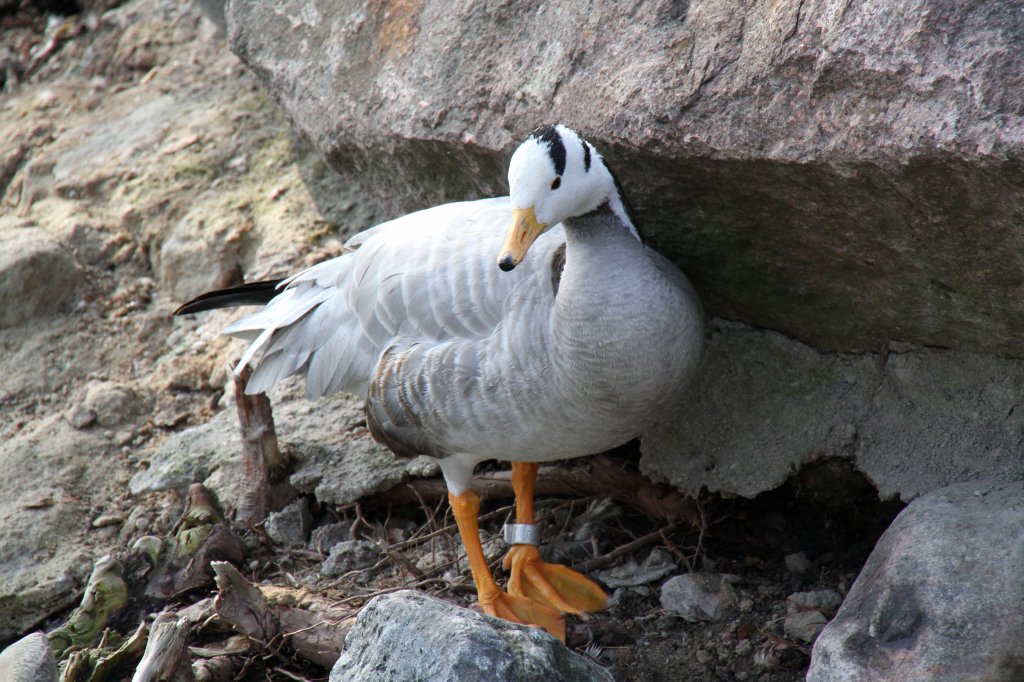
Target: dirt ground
[136, 218]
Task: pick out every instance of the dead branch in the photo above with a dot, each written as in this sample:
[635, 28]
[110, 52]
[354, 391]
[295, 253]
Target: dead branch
[272, 616]
[165, 657]
[623, 550]
[602, 476]
[260, 453]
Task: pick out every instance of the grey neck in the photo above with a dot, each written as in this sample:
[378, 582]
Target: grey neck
[601, 219]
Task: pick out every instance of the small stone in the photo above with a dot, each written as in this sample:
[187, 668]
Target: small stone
[821, 600]
[699, 597]
[328, 535]
[80, 417]
[38, 277]
[438, 559]
[104, 520]
[351, 555]
[798, 564]
[290, 526]
[805, 625]
[112, 403]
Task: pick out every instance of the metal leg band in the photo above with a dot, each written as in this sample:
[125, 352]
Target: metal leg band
[522, 534]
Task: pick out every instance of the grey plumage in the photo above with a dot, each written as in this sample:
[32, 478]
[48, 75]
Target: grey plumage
[579, 349]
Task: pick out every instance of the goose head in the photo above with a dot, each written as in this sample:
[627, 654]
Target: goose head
[554, 175]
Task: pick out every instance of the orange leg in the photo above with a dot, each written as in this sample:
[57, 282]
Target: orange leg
[493, 601]
[557, 586]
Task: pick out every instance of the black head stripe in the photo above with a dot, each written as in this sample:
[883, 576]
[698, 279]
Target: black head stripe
[586, 156]
[627, 207]
[556, 149]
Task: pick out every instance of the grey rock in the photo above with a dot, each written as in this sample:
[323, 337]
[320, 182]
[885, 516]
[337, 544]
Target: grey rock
[30, 659]
[80, 416]
[940, 598]
[341, 475]
[655, 566]
[804, 625]
[290, 526]
[763, 405]
[37, 276]
[823, 600]
[798, 563]
[410, 636]
[48, 542]
[351, 555]
[699, 597]
[201, 253]
[194, 455]
[328, 461]
[328, 535]
[97, 154]
[800, 162]
[112, 403]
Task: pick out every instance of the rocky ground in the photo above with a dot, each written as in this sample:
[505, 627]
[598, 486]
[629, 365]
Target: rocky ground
[141, 164]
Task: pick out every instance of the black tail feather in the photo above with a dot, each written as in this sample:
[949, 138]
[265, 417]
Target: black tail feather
[251, 293]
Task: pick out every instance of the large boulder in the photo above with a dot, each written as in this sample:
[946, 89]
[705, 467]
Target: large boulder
[847, 177]
[844, 173]
[941, 597]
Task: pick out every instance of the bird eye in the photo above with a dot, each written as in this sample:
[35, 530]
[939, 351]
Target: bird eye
[557, 182]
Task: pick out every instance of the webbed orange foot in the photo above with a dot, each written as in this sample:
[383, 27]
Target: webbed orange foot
[520, 609]
[554, 585]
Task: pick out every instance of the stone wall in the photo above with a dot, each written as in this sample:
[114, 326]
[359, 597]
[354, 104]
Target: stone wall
[848, 176]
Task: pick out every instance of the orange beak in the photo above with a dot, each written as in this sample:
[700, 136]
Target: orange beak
[525, 230]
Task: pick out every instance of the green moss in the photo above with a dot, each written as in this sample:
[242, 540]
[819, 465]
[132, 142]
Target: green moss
[190, 170]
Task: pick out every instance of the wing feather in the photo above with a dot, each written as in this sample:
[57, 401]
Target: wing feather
[429, 276]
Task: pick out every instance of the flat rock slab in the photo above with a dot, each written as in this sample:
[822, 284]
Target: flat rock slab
[941, 597]
[406, 636]
[912, 420]
[46, 532]
[330, 460]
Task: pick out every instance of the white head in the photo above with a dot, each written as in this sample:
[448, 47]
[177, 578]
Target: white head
[553, 176]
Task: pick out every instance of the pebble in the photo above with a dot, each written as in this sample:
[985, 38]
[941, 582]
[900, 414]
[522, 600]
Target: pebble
[699, 597]
[351, 555]
[798, 563]
[28, 660]
[820, 600]
[805, 625]
[290, 526]
[328, 535]
[80, 417]
[104, 520]
[112, 403]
